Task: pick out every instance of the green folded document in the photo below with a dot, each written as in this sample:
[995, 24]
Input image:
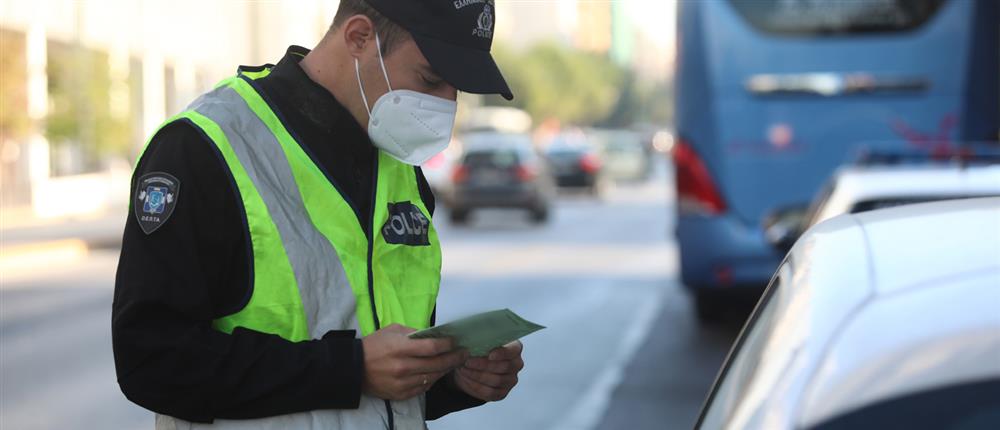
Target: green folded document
[481, 333]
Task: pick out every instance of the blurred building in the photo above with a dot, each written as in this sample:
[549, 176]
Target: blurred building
[638, 34]
[595, 28]
[85, 82]
[522, 24]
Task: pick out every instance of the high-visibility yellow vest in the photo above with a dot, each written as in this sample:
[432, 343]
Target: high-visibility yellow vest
[313, 267]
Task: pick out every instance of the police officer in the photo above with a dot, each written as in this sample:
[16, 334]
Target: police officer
[280, 247]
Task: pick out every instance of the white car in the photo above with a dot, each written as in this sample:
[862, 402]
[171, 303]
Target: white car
[854, 189]
[858, 189]
[877, 320]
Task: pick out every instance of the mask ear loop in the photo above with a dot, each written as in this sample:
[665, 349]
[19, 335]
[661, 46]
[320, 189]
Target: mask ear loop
[378, 45]
[357, 72]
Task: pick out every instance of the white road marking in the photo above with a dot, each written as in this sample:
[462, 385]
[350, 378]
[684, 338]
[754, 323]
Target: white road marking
[592, 405]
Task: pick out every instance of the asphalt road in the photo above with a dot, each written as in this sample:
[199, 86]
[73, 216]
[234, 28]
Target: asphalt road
[621, 349]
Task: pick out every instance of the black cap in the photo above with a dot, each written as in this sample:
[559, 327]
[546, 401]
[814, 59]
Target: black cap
[455, 36]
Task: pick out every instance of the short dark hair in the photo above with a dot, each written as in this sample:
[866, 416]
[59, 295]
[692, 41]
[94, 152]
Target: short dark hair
[390, 34]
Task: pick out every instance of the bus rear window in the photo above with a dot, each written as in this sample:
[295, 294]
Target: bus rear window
[824, 17]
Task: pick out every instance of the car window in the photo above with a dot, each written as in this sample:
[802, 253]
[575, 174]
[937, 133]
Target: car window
[813, 17]
[738, 371]
[622, 148]
[564, 154]
[968, 406]
[527, 154]
[870, 205]
[494, 139]
[502, 158]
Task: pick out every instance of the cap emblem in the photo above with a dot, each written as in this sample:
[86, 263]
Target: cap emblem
[484, 23]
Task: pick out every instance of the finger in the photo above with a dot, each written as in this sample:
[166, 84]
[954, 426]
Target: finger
[507, 352]
[428, 347]
[412, 385]
[441, 363]
[478, 363]
[504, 366]
[420, 384]
[421, 381]
[500, 381]
[480, 390]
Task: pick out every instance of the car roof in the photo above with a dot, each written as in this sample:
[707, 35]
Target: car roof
[868, 182]
[856, 184]
[932, 313]
[964, 233]
[844, 333]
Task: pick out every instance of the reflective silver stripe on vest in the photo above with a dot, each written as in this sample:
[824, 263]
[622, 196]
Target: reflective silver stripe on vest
[314, 261]
[327, 297]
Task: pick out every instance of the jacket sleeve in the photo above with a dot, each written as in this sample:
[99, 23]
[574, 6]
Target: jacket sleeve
[444, 398]
[194, 268]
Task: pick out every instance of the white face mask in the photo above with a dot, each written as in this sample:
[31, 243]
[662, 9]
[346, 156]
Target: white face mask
[412, 127]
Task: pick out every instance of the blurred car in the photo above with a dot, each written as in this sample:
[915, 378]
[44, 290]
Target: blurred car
[878, 320]
[875, 185]
[500, 170]
[772, 96]
[438, 171]
[576, 164]
[623, 154]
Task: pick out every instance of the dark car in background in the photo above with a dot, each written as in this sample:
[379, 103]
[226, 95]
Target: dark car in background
[576, 165]
[500, 170]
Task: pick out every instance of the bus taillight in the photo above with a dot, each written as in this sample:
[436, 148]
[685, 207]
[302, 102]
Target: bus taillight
[696, 192]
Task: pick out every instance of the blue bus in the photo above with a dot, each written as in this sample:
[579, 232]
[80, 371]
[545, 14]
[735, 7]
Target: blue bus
[773, 95]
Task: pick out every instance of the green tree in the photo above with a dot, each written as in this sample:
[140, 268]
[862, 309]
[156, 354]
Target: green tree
[550, 80]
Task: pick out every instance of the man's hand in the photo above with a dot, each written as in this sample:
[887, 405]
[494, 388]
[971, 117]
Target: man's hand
[491, 378]
[399, 368]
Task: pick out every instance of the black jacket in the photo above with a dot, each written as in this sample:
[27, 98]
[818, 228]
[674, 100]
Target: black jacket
[194, 268]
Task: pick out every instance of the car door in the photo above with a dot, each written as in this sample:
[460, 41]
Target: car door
[740, 367]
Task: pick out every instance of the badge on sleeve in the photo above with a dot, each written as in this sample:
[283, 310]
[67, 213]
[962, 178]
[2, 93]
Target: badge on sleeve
[155, 198]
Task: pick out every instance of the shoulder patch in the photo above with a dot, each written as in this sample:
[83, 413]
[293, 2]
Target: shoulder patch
[406, 225]
[155, 198]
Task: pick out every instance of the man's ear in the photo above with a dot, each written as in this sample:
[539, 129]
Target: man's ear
[359, 31]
